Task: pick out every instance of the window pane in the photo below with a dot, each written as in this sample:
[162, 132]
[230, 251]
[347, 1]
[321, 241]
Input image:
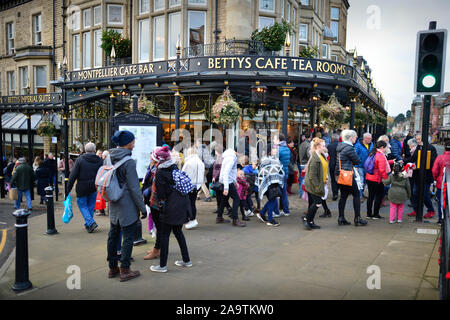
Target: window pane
[282, 8]
[294, 14]
[114, 14]
[23, 73]
[98, 48]
[75, 20]
[144, 6]
[144, 40]
[97, 15]
[41, 76]
[158, 38]
[305, 2]
[86, 50]
[87, 18]
[11, 83]
[303, 32]
[197, 1]
[196, 28]
[174, 33]
[173, 3]
[335, 29]
[289, 12]
[158, 4]
[324, 51]
[76, 51]
[335, 13]
[266, 5]
[265, 22]
[37, 29]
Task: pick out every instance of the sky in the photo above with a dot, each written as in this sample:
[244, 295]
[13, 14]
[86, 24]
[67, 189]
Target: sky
[385, 33]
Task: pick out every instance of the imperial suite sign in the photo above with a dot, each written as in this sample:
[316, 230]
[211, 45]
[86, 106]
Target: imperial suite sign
[222, 63]
[46, 98]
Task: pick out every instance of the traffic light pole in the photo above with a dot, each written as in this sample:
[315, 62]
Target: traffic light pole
[423, 157]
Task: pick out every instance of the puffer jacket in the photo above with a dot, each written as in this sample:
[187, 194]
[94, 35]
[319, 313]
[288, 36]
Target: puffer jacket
[284, 154]
[349, 158]
[380, 168]
[362, 152]
[396, 149]
[177, 206]
[440, 163]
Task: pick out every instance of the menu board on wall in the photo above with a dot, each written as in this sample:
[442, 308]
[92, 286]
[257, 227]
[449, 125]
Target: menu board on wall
[146, 140]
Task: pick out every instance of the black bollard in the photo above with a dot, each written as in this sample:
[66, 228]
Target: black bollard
[22, 282]
[138, 240]
[50, 211]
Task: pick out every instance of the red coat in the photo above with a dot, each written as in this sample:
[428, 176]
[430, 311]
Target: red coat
[380, 168]
[440, 163]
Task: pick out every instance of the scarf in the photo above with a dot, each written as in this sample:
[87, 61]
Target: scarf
[271, 172]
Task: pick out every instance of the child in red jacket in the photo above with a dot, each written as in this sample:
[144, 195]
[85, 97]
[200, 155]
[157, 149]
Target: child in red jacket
[242, 189]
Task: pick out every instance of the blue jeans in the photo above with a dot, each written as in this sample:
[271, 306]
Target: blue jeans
[427, 200]
[300, 179]
[86, 205]
[19, 199]
[362, 175]
[284, 196]
[270, 207]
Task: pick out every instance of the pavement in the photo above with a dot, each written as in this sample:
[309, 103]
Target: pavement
[256, 262]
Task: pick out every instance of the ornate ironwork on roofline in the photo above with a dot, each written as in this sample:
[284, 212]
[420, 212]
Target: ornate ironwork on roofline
[228, 47]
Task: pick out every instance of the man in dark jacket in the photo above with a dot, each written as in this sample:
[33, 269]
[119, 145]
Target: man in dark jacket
[84, 172]
[303, 157]
[396, 145]
[124, 213]
[50, 164]
[22, 179]
[332, 153]
[406, 151]
[429, 179]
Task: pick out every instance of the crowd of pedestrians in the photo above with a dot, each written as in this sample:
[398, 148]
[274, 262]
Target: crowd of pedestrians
[332, 165]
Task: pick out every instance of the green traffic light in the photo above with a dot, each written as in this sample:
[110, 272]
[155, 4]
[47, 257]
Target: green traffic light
[429, 81]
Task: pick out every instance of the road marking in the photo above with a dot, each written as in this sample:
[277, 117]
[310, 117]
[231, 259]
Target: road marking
[2, 244]
[427, 231]
[3, 222]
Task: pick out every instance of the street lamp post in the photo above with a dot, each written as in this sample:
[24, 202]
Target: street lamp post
[66, 127]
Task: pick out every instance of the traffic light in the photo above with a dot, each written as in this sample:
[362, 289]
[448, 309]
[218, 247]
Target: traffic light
[430, 61]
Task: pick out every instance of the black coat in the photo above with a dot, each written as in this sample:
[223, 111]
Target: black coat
[333, 155]
[85, 171]
[349, 158]
[177, 206]
[428, 173]
[42, 175]
[50, 164]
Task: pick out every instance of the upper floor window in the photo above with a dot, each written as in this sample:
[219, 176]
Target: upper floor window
[115, 14]
[144, 6]
[10, 37]
[335, 22]
[174, 33]
[87, 18]
[294, 14]
[265, 22]
[282, 9]
[266, 5]
[303, 33]
[11, 83]
[159, 5]
[174, 3]
[75, 17]
[23, 79]
[196, 28]
[37, 29]
[144, 40]
[76, 51]
[305, 2]
[288, 12]
[97, 15]
[324, 51]
[86, 50]
[40, 79]
[97, 48]
[158, 38]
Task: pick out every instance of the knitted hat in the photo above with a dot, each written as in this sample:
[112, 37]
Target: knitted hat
[122, 138]
[22, 160]
[161, 154]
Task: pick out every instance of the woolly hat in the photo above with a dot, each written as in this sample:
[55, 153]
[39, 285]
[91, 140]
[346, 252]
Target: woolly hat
[22, 160]
[122, 138]
[161, 154]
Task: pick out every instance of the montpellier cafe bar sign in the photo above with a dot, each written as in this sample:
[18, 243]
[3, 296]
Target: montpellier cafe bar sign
[226, 63]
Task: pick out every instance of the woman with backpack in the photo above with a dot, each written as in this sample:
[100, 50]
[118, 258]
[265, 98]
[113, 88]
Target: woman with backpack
[172, 189]
[374, 177]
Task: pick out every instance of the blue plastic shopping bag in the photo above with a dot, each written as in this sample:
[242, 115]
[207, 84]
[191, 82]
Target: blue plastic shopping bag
[68, 213]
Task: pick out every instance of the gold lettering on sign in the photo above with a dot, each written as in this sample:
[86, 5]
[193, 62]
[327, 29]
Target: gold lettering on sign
[240, 61]
[210, 63]
[248, 63]
[268, 63]
[257, 63]
[284, 63]
[309, 66]
[319, 66]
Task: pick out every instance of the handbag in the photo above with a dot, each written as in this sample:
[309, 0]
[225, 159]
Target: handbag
[274, 191]
[217, 186]
[13, 194]
[345, 176]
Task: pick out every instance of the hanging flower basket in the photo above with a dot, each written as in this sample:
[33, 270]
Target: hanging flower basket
[332, 113]
[226, 110]
[147, 106]
[251, 112]
[361, 115]
[381, 120]
[46, 128]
